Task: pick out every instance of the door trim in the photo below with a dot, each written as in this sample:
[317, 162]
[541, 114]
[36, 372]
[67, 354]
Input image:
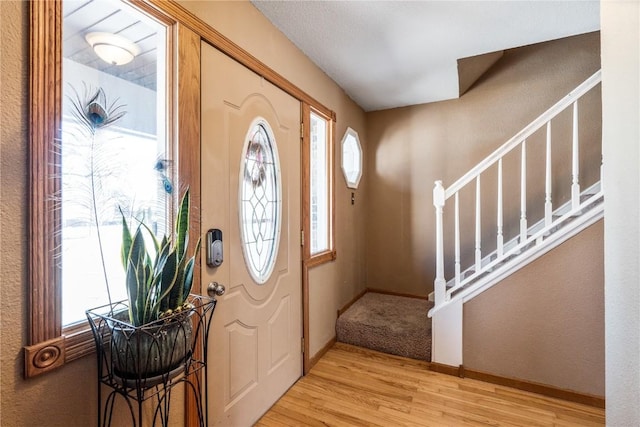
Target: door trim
[187, 60]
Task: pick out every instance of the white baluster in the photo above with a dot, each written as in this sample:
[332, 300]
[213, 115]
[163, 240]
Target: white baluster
[478, 225]
[575, 170]
[547, 186]
[457, 238]
[523, 192]
[601, 172]
[500, 237]
[439, 284]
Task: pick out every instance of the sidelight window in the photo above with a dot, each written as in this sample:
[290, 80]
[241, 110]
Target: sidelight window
[318, 198]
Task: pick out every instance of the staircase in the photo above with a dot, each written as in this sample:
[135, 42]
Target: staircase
[558, 223]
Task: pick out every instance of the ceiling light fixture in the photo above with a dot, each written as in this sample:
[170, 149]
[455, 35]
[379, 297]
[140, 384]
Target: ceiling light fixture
[112, 48]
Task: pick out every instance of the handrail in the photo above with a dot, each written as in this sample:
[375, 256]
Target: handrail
[481, 269]
[442, 291]
[557, 108]
[465, 293]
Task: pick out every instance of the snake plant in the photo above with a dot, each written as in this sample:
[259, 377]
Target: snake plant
[158, 282]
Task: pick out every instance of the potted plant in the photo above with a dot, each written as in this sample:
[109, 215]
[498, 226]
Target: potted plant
[154, 335]
[151, 333]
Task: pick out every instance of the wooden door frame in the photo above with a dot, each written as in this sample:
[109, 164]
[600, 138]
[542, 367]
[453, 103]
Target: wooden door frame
[187, 62]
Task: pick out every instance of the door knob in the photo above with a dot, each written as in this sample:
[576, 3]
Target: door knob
[215, 288]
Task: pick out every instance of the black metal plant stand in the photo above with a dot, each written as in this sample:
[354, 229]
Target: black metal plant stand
[140, 364]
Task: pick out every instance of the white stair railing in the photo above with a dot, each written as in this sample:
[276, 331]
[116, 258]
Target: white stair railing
[463, 282]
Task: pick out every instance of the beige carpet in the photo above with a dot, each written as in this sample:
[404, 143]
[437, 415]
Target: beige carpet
[388, 323]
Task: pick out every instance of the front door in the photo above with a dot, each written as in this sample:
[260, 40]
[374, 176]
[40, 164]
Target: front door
[251, 192]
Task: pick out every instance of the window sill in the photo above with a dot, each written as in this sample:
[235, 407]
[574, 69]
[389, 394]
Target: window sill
[321, 258]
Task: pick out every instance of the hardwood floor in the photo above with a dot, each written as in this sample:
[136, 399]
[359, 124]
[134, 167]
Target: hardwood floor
[351, 386]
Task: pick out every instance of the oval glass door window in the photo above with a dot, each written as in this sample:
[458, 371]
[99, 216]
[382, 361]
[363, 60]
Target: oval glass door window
[260, 201]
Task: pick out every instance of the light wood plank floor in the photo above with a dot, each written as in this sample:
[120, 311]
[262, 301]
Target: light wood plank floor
[351, 386]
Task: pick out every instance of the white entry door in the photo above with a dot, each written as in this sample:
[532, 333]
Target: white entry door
[251, 192]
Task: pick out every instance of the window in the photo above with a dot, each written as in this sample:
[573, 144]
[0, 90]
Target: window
[318, 204]
[132, 157]
[319, 185]
[351, 158]
[260, 201]
[113, 150]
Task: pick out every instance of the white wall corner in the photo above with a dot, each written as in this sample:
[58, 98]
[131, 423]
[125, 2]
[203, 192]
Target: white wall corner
[620, 39]
[446, 344]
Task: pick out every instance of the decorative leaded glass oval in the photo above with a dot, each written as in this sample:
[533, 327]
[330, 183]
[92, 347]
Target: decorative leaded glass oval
[260, 201]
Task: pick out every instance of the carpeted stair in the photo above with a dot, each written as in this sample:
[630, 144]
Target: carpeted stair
[388, 323]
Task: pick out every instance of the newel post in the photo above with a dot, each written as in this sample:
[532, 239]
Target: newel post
[439, 285]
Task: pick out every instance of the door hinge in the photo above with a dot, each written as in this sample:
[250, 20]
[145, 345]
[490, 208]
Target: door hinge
[302, 344]
[302, 130]
[301, 237]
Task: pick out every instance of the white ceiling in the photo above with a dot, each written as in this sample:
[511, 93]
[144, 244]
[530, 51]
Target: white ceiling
[387, 54]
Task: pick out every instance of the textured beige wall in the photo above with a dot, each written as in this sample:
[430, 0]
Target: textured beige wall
[331, 285]
[472, 68]
[545, 323]
[409, 148]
